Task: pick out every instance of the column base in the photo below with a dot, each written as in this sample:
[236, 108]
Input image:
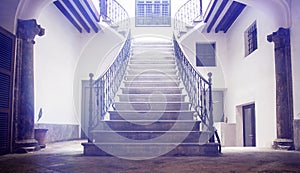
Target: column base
[283, 144]
[25, 146]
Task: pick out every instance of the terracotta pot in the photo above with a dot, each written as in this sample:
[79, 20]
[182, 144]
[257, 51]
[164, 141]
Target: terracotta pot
[40, 136]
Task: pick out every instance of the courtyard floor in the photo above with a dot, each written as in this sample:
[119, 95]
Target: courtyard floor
[66, 157]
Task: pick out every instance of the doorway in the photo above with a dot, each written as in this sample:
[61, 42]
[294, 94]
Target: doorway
[249, 125]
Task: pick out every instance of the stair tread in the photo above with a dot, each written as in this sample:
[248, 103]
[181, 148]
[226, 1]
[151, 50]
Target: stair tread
[148, 81]
[151, 111]
[153, 121]
[146, 131]
[148, 143]
[147, 87]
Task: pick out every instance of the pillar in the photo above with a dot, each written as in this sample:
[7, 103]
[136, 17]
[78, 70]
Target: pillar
[24, 95]
[284, 91]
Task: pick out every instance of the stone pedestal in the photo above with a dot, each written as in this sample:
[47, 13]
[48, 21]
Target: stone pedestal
[297, 134]
[284, 91]
[24, 96]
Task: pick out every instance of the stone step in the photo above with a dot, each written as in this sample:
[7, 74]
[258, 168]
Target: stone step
[149, 125]
[153, 54]
[152, 90]
[152, 61]
[152, 45]
[151, 78]
[151, 97]
[149, 150]
[152, 71]
[151, 83]
[150, 136]
[157, 57]
[151, 115]
[151, 66]
[152, 48]
[152, 106]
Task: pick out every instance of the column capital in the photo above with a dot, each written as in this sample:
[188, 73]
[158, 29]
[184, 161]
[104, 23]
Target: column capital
[280, 36]
[28, 29]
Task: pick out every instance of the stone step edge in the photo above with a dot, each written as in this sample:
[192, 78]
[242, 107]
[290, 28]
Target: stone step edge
[150, 143]
[151, 121]
[153, 95]
[147, 87]
[156, 111]
[145, 131]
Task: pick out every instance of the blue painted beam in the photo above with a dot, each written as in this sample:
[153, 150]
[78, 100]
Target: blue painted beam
[92, 9]
[77, 15]
[219, 11]
[86, 15]
[210, 11]
[67, 15]
[230, 16]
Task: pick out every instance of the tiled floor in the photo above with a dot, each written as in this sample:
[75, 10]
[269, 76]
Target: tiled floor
[67, 157]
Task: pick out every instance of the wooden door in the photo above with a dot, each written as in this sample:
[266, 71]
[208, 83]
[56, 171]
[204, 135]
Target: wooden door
[249, 125]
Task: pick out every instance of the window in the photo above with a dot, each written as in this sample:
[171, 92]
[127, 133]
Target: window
[205, 54]
[251, 39]
[153, 13]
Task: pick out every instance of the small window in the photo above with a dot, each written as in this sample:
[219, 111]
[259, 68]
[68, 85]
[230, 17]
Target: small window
[153, 13]
[251, 39]
[206, 54]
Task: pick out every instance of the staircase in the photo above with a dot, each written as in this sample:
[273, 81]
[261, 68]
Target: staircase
[151, 115]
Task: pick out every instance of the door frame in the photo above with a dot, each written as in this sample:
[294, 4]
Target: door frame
[253, 124]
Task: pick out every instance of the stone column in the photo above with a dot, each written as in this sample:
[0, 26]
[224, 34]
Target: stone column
[284, 90]
[24, 99]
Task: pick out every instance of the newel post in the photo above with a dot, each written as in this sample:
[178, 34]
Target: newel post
[210, 107]
[90, 138]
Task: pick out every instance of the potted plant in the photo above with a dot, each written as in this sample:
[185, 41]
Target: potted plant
[40, 133]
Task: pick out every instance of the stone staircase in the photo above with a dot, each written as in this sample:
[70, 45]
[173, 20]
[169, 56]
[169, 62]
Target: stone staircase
[151, 115]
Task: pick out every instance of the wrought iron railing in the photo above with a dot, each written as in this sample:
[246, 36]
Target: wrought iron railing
[107, 85]
[114, 14]
[198, 88]
[187, 14]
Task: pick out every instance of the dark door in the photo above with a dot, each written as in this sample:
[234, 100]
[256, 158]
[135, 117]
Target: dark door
[249, 125]
[7, 49]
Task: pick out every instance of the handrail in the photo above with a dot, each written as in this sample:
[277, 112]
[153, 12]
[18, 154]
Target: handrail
[198, 88]
[187, 14]
[115, 14]
[107, 85]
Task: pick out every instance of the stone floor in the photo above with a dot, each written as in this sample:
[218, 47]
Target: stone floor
[66, 157]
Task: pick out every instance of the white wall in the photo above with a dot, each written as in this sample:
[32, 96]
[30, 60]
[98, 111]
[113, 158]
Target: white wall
[8, 9]
[252, 78]
[189, 46]
[63, 58]
[248, 79]
[56, 55]
[164, 32]
[95, 58]
[295, 42]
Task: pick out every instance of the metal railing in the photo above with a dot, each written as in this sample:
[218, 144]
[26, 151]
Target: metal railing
[187, 14]
[106, 86]
[198, 88]
[114, 14]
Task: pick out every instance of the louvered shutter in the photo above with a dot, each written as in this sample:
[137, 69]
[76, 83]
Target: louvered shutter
[7, 47]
